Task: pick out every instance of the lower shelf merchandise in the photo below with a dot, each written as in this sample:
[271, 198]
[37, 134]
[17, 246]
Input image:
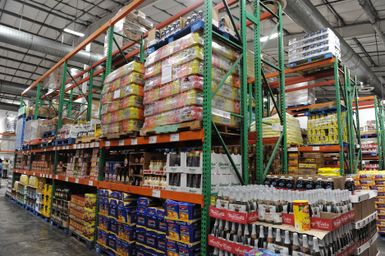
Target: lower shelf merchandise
[82, 214]
[147, 226]
[60, 207]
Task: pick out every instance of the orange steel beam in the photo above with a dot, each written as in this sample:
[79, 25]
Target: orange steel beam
[319, 84]
[366, 98]
[124, 12]
[120, 15]
[306, 67]
[303, 78]
[317, 105]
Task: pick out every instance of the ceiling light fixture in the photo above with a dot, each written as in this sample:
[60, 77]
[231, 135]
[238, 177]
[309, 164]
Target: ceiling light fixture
[267, 38]
[73, 32]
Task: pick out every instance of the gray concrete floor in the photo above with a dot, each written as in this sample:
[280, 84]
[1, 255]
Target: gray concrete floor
[22, 234]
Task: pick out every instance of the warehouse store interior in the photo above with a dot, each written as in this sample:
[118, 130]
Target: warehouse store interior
[186, 128]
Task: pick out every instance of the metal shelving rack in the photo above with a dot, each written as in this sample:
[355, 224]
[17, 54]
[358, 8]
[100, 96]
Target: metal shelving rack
[334, 73]
[205, 136]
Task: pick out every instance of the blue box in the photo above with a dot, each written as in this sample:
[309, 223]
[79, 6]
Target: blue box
[187, 250]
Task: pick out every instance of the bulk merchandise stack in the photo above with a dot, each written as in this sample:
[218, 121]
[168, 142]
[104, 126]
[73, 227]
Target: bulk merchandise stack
[122, 101]
[173, 85]
[131, 225]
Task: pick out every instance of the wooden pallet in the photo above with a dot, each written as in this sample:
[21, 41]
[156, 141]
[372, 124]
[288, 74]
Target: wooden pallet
[89, 243]
[185, 126]
[310, 60]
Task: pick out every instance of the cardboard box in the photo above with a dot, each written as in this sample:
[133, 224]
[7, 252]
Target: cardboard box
[373, 249]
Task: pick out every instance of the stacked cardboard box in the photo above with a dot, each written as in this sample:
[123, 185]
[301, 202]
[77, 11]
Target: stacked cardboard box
[313, 45]
[309, 163]
[122, 98]
[174, 84]
[293, 162]
[323, 129]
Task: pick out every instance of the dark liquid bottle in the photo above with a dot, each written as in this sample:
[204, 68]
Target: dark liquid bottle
[261, 238]
[274, 182]
[349, 184]
[281, 182]
[309, 184]
[267, 181]
[329, 184]
[315, 250]
[295, 247]
[290, 183]
[300, 184]
[319, 184]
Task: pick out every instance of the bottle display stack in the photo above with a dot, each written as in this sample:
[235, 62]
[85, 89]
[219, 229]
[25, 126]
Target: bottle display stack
[60, 207]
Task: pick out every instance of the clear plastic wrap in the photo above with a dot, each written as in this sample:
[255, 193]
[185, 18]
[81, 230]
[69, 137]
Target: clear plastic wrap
[132, 78]
[175, 46]
[194, 67]
[122, 127]
[130, 101]
[323, 129]
[180, 115]
[122, 114]
[173, 88]
[191, 97]
[125, 70]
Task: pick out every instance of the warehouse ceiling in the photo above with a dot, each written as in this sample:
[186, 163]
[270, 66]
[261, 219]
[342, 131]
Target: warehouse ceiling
[19, 67]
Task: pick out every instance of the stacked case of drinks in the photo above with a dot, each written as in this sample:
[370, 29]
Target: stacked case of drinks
[122, 98]
[269, 233]
[174, 84]
[323, 129]
[313, 45]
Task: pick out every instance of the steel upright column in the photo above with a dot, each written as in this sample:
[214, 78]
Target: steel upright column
[359, 157]
[339, 121]
[282, 101]
[258, 93]
[207, 126]
[90, 95]
[61, 98]
[37, 101]
[379, 133]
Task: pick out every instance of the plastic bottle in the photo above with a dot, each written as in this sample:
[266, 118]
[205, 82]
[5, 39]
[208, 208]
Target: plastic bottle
[300, 184]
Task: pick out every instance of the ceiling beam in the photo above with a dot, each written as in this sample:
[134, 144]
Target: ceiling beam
[9, 107]
[362, 48]
[372, 15]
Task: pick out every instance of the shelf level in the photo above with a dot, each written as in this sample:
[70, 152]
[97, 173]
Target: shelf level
[146, 191]
[328, 148]
[197, 135]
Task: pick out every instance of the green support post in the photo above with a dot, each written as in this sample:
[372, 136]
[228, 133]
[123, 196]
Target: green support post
[258, 93]
[379, 133]
[349, 118]
[207, 126]
[37, 101]
[382, 137]
[282, 88]
[69, 104]
[90, 94]
[243, 69]
[339, 121]
[110, 40]
[358, 131]
[61, 98]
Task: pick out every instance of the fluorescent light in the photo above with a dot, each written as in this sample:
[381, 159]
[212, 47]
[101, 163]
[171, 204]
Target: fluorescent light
[267, 38]
[73, 32]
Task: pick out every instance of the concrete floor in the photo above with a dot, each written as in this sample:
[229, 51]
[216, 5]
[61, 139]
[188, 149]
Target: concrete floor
[22, 234]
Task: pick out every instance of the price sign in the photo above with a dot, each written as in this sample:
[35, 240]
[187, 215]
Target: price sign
[152, 139]
[174, 137]
[156, 193]
[121, 142]
[77, 180]
[97, 144]
[66, 179]
[90, 183]
[108, 143]
[316, 148]
[134, 141]
[56, 177]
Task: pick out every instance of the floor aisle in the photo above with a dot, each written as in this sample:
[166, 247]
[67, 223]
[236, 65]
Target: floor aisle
[22, 234]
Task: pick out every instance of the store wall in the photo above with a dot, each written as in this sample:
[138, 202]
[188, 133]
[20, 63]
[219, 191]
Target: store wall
[366, 115]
